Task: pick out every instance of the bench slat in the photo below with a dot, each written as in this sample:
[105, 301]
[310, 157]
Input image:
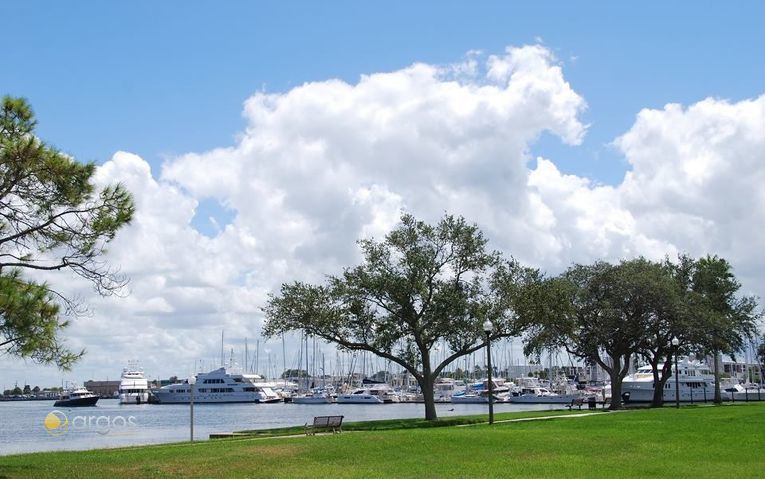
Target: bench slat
[333, 423]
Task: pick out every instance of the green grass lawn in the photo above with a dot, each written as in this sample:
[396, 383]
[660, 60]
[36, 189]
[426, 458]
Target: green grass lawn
[692, 442]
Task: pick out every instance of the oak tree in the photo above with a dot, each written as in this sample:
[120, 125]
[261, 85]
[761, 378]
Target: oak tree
[420, 286]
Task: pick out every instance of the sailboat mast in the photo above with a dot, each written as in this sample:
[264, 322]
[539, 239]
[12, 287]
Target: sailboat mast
[246, 357]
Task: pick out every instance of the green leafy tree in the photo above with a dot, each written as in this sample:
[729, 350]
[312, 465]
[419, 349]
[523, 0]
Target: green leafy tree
[725, 322]
[596, 312]
[421, 286]
[760, 353]
[663, 286]
[52, 218]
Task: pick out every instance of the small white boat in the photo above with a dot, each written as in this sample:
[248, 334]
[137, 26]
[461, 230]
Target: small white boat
[541, 395]
[358, 396]
[445, 388]
[314, 397]
[372, 393]
[463, 397]
[743, 392]
[478, 393]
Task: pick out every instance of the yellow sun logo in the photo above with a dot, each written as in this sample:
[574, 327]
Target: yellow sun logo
[56, 423]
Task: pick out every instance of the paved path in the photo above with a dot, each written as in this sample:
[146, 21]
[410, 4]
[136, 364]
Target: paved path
[540, 418]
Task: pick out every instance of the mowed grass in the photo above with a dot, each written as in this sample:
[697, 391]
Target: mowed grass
[692, 442]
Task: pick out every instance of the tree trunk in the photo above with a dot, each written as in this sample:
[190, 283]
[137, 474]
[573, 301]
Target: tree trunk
[658, 388]
[660, 381]
[718, 396]
[426, 382]
[616, 384]
[427, 393]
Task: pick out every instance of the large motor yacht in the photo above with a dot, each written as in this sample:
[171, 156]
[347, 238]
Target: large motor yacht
[218, 386]
[695, 382]
[134, 388]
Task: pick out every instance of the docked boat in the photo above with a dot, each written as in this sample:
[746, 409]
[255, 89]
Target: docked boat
[463, 397]
[317, 396]
[372, 393]
[134, 388]
[540, 395]
[696, 383]
[219, 386]
[478, 393]
[445, 388]
[359, 396]
[77, 397]
[744, 392]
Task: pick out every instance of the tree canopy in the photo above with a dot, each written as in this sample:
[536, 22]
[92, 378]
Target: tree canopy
[607, 314]
[52, 218]
[724, 322]
[599, 313]
[423, 284]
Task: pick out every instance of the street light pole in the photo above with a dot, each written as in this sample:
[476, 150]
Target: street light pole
[192, 381]
[487, 328]
[676, 343]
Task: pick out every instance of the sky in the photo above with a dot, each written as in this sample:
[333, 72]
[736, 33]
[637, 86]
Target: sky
[262, 139]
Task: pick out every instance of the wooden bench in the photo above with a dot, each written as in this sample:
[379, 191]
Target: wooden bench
[324, 423]
[576, 402]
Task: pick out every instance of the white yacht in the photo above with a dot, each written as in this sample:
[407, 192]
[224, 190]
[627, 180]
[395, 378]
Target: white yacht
[540, 395]
[218, 386]
[370, 394]
[478, 393]
[359, 396]
[316, 396]
[445, 388]
[743, 392]
[696, 382]
[134, 388]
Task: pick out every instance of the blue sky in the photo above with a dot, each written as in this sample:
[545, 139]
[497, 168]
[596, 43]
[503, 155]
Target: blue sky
[222, 222]
[164, 78]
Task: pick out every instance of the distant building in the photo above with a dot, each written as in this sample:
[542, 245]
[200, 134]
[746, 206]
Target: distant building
[105, 389]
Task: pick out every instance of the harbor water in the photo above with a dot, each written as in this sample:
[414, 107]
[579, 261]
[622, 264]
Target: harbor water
[34, 426]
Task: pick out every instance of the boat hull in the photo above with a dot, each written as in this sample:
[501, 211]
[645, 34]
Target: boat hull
[204, 398]
[311, 400]
[77, 402]
[134, 398]
[358, 399]
[534, 399]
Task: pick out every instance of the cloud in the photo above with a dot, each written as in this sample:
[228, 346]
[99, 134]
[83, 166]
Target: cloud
[326, 163]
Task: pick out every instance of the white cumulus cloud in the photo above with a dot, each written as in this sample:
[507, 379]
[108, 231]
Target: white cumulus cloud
[328, 162]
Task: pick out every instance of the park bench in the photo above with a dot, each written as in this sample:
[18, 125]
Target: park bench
[576, 402]
[324, 423]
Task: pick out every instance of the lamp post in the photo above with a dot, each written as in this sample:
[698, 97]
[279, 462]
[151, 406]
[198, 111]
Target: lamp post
[488, 328]
[192, 381]
[676, 343]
